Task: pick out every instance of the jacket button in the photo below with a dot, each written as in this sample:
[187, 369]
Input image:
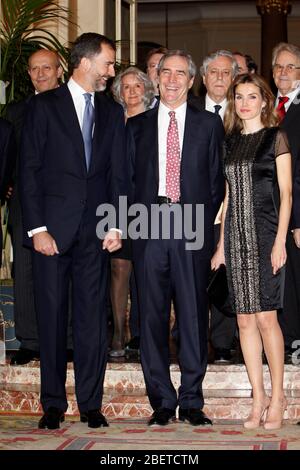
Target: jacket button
[83, 202]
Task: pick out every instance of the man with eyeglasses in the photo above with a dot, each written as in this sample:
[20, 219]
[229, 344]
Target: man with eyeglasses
[286, 74]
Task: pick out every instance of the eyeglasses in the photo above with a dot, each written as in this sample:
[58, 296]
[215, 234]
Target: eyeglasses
[289, 68]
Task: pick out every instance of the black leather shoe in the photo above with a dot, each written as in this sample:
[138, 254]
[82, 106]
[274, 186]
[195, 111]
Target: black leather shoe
[133, 345]
[162, 417]
[94, 418]
[70, 355]
[194, 416]
[52, 418]
[222, 356]
[23, 356]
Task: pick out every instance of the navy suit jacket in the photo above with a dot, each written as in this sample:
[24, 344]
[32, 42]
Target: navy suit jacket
[56, 189]
[201, 176]
[7, 159]
[291, 125]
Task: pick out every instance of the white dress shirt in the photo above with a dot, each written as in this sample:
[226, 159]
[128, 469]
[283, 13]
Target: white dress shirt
[210, 106]
[292, 95]
[163, 124]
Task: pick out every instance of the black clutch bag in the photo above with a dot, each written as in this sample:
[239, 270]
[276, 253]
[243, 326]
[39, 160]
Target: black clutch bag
[218, 293]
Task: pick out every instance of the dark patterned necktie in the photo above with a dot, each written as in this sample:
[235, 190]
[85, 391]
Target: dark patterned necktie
[281, 108]
[217, 108]
[87, 128]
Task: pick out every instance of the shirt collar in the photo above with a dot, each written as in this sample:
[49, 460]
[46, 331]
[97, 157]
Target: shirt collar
[180, 111]
[210, 104]
[291, 95]
[77, 90]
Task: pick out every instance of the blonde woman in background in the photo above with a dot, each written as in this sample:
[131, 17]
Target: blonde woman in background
[135, 92]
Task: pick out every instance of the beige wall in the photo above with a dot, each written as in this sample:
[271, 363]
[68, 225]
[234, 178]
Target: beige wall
[209, 29]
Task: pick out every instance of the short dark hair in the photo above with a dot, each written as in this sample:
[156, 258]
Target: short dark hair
[157, 50]
[250, 63]
[88, 45]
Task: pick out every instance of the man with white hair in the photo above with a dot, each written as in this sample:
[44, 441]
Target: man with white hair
[218, 71]
[286, 74]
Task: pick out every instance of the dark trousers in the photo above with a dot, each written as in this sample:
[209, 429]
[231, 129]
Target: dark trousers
[289, 318]
[222, 328]
[25, 316]
[167, 271]
[134, 317]
[86, 265]
[24, 309]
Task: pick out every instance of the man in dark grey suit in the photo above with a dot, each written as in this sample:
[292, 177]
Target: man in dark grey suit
[181, 167]
[286, 74]
[7, 158]
[218, 71]
[72, 162]
[45, 70]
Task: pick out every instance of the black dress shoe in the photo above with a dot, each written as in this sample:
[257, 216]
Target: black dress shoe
[94, 418]
[222, 356]
[70, 355]
[162, 417]
[51, 419]
[23, 356]
[194, 416]
[133, 345]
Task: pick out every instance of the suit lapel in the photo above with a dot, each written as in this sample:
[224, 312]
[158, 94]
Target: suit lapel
[292, 111]
[70, 121]
[152, 140]
[101, 118]
[189, 135]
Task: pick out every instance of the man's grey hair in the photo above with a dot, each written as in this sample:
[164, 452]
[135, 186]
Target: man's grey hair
[141, 77]
[178, 52]
[285, 47]
[215, 55]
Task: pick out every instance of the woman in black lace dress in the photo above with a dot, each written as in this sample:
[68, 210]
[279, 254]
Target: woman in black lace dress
[256, 213]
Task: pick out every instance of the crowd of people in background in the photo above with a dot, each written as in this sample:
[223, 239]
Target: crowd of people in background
[235, 148]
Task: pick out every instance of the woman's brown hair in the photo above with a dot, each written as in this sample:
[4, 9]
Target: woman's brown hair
[269, 116]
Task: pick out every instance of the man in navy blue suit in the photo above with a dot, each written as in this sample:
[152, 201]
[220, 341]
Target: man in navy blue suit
[286, 74]
[174, 153]
[7, 159]
[71, 162]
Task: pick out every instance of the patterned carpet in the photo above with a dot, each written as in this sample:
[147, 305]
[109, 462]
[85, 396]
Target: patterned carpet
[20, 432]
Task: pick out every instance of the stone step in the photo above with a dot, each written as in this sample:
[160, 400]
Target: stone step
[219, 404]
[129, 376]
[226, 390]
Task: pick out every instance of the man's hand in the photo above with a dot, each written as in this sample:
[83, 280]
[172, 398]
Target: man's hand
[296, 235]
[112, 241]
[45, 244]
[9, 192]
